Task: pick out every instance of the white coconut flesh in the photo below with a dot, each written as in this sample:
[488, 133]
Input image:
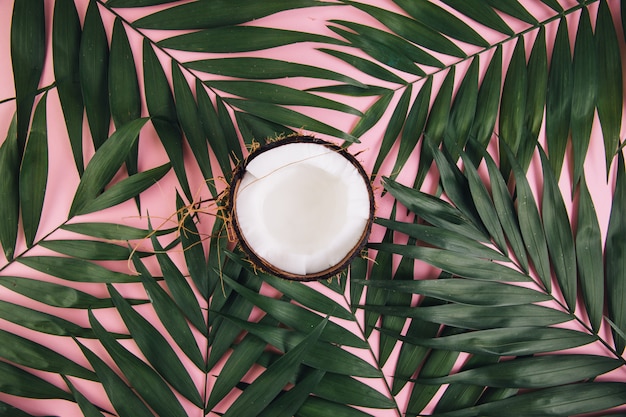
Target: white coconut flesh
[302, 207]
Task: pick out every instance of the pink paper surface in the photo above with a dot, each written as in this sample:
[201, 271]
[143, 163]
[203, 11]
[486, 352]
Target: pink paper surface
[159, 201]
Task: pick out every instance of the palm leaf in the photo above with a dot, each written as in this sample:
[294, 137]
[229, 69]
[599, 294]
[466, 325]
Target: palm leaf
[9, 180]
[28, 49]
[66, 38]
[93, 73]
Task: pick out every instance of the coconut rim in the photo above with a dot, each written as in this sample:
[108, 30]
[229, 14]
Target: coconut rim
[257, 261]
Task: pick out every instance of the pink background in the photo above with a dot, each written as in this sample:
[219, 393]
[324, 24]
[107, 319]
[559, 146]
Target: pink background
[159, 200]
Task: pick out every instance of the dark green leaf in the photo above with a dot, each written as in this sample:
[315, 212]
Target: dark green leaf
[56, 295]
[506, 212]
[559, 98]
[137, 3]
[324, 356]
[459, 395]
[399, 49]
[456, 263]
[534, 372]
[556, 401]
[372, 115]
[443, 239]
[254, 128]
[411, 356]
[212, 130]
[93, 72]
[480, 317]
[89, 249]
[584, 96]
[344, 389]
[610, 101]
[179, 288]
[515, 9]
[112, 231]
[435, 211]
[269, 384]
[199, 15]
[231, 39]
[277, 94]
[614, 251]
[387, 48]
[455, 185]
[404, 272]
[530, 224]
[156, 349]
[413, 127]
[16, 381]
[162, 109]
[170, 315]
[442, 21]
[482, 13]
[9, 410]
[436, 125]
[74, 269]
[316, 407]
[535, 99]
[465, 291]
[484, 205]
[244, 355]
[513, 103]
[366, 66]
[124, 94]
[296, 317]
[66, 35]
[149, 385]
[41, 322]
[191, 241]
[558, 234]
[308, 297]
[230, 132]
[223, 333]
[122, 397]
[487, 104]
[589, 257]
[412, 30]
[283, 115]
[10, 161]
[553, 4]
[105, 163]
[514, 341]
[34, 173]
[392, 132]
[290, 402]
[437, 363]
[86, 407]
[126, 189]
[358, 271]
[187, 113]
[253, 68]
[28, 50]
[25, 352]
[382, 269]
[463, 111]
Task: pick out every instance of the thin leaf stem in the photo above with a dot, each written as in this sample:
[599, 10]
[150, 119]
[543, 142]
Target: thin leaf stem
[34, 245]
[373, 355]
[39, 91]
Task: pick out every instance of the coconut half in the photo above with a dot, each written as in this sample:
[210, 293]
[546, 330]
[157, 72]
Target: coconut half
[301, 208]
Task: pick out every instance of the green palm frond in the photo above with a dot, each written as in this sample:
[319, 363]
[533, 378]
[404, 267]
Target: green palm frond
[475, 298]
